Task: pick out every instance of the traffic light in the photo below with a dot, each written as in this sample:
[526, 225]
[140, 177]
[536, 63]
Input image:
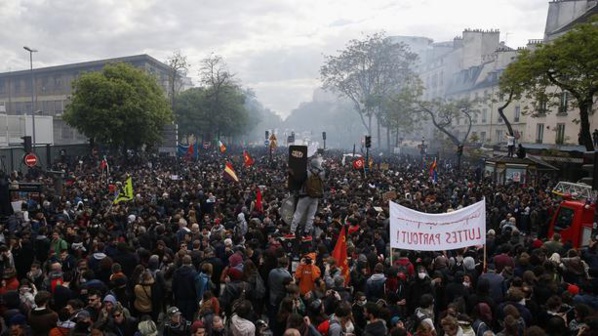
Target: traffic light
[27, 145]
[267, 135]
[368, 141]
[323, 135]
[460, 150]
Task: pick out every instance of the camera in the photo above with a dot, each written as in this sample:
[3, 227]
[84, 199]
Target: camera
[308, 260]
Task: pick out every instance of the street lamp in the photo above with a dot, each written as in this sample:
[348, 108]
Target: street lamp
[31, 51]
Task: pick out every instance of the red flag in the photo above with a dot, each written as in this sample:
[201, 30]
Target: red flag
[247, 159]
[358, 163]
[258, 200]
[190, 150]
[340, 255]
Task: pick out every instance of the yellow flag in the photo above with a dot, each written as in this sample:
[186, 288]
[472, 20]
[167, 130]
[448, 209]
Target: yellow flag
[126, 193]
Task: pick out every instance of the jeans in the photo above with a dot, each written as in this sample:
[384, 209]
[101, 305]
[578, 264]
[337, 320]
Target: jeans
[306, 208]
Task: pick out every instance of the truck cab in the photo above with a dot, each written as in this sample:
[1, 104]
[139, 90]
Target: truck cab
[574, 220]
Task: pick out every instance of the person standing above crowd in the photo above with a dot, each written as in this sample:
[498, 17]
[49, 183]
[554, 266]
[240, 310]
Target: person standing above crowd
[312, 189]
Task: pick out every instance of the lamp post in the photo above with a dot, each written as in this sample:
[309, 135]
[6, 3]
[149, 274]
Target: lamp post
[31, 51]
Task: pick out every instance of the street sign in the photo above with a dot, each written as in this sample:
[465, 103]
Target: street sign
[30, 160]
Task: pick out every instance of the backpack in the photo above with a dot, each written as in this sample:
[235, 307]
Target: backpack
[375, 289]
[314, 186]
[260, 288]
[240, 299]
[467, 329]
[202, 285]
[403, 268]
[324, 327]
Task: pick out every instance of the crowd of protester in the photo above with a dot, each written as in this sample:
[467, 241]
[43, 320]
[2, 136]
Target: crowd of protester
[194, 253]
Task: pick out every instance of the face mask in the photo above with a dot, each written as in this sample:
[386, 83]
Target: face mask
[421, 276]
[362, 303]
[466, 284]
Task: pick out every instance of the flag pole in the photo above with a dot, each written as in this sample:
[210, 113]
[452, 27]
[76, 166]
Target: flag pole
[484, 269]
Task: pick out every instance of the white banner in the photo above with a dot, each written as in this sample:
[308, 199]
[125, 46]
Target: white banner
[413, 230]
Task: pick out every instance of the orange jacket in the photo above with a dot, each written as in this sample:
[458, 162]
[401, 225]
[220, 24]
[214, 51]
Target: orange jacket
[307, 274]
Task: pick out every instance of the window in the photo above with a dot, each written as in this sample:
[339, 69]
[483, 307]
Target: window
[539, 133]
[57, 83]
[563, 102]
[542, 106]
[483, 137]
[499, 135]
[517, 113]
[564, 218]
[499, 119]
[484, 115]
[560, 134]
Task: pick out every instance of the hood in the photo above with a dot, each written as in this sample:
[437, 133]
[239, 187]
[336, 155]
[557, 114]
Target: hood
[377, 276]
[185, 271]
[147, 282]
[99, 255]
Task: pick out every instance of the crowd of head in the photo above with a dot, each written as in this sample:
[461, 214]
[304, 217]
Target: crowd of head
[194, 253]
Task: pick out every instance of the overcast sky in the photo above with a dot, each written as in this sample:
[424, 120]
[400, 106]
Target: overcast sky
[275, 47]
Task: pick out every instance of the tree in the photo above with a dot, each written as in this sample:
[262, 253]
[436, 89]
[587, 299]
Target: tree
[219, 107]
[178, 67]
[444, 114]
[224, 98]
[120, 106]
[569, 63]
[367, 72]
[191, 112]
[399, 111]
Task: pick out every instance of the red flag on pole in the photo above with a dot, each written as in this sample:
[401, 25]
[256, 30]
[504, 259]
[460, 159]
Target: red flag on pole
[340, 255]
[258, 200]
[247, 159]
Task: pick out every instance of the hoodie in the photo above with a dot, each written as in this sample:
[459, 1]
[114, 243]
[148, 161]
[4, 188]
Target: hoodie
[241, 327]
[375, 328]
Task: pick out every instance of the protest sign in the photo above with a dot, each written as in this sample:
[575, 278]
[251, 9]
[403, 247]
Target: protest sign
[413, 230]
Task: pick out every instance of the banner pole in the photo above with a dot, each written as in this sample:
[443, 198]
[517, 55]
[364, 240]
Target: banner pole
[484, 269]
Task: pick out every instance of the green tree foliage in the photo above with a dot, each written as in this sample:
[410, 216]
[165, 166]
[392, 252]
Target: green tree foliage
[218, 107]
[568, 64]
[367, 72]
[120, 106]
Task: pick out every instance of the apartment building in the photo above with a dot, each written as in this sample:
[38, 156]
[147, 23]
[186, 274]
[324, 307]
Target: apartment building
[53, 87]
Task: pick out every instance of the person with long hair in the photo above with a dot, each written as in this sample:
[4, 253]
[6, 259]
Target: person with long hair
[143, 294]
[256, 284]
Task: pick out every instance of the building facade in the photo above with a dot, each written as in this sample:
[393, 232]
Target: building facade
[53, 87]
[470, 67]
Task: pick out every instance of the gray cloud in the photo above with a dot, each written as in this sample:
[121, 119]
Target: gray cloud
[274, 46]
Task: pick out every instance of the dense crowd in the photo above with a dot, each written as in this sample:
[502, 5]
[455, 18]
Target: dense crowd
[194, 253]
